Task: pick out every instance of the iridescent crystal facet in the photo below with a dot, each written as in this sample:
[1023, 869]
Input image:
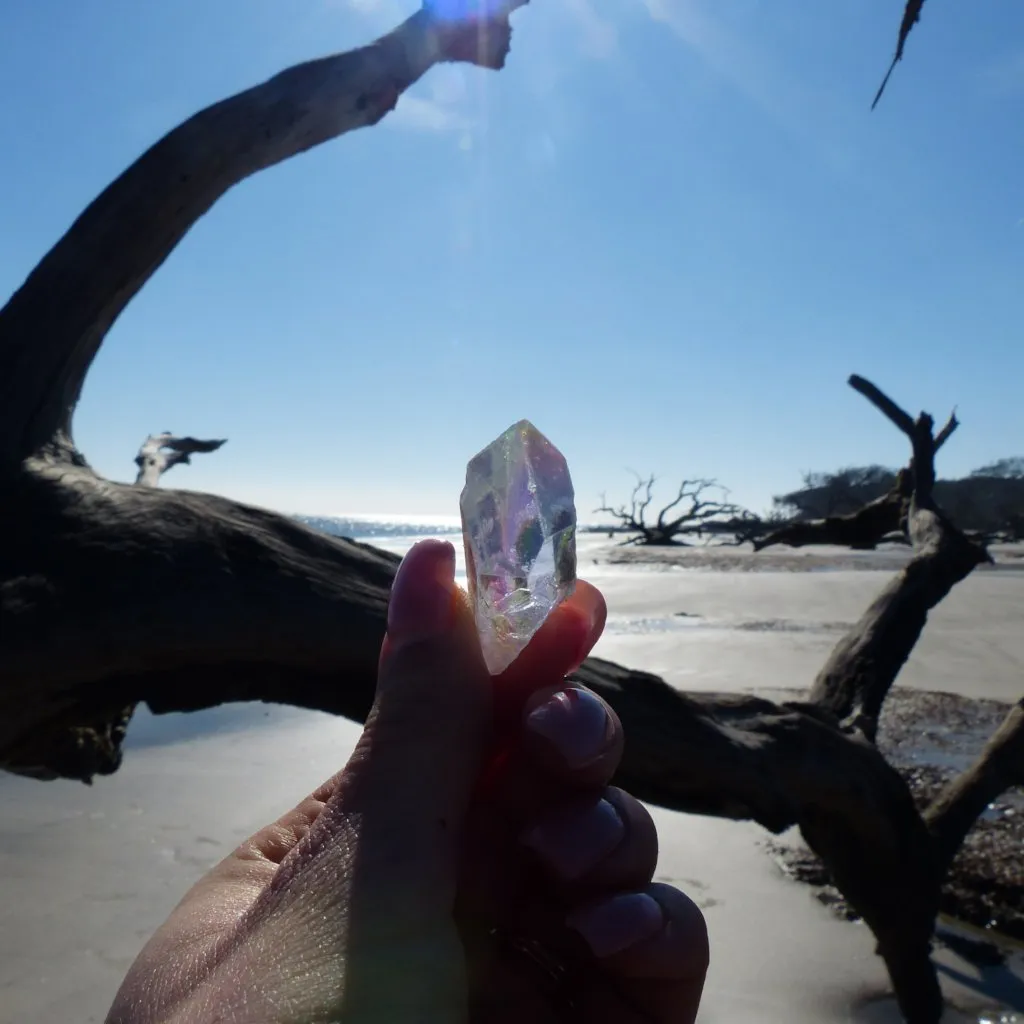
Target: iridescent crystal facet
[519, 528]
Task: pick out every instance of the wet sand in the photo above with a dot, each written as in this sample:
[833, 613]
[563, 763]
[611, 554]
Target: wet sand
[86, 874]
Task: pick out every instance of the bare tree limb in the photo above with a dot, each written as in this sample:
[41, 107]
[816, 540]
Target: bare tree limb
[876, 521]
[143, 589]
[911, 15]
[944, 434]
[688, 489]
[638, 510]
[881, 401]
[999, 767]
[161, 452]
[52, 327]
[861, 530]
[863, 666]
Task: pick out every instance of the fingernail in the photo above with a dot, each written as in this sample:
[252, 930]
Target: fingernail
[574, 843]
[422, 595]
[576, 723]
[618, 923]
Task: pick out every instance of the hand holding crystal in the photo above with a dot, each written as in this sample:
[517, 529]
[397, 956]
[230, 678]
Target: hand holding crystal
[469, 863]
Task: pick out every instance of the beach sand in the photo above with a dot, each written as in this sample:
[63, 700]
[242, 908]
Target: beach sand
[86, 874]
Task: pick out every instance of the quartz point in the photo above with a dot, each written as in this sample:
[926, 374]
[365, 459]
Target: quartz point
[519, 530]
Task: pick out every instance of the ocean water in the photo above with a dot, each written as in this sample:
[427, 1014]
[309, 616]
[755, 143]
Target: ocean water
[380, 528]
[398, 533]
[394, 533]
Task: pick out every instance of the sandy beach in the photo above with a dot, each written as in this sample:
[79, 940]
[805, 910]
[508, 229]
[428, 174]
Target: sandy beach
[86, 874]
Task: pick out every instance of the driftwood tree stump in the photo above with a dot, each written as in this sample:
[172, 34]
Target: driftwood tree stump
[112, 595]
[161, 452]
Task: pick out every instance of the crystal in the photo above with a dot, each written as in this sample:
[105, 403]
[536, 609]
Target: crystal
[519, 530]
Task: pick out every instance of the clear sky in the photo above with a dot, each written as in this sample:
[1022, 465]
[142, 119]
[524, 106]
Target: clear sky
[666, 232]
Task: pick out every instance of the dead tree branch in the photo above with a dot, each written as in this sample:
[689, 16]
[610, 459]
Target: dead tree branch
[861, 530]
[911, 16]
[161, 452]
[701, 515]
[744, 528]
[111, 594]
[864, 664]
[999, 767]
[887, 515]
[132, 227]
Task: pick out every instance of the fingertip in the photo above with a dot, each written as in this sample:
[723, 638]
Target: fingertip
[425, 603]
[421, 604]
[678, 951]
[687, 927]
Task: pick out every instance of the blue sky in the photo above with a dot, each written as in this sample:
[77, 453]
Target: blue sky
[666, 232]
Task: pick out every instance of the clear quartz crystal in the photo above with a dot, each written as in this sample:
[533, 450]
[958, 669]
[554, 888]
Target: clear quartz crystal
[519, 529]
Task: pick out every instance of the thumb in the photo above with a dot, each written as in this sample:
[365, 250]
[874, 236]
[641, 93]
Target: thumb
[410, 779]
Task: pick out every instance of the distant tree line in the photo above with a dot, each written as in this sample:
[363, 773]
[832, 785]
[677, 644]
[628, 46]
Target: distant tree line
[988, 501]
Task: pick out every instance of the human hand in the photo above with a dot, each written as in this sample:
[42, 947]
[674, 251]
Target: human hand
[469, 864]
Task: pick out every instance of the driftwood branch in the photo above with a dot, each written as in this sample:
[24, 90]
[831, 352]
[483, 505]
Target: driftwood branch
[862, 530]
[161, 452]
[110, 594]
[911, 15]
[120, 594]
[864, 664]
[947, 429]
[877, 520]
[999, 767]
[881, 401]
[132, 227]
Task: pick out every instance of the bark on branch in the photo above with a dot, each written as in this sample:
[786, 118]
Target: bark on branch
[116, 594]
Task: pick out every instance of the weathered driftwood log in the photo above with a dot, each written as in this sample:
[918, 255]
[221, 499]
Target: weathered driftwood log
[882, 519]
[161, 452]
[105, 589]
[112, 594]
[862, 530]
